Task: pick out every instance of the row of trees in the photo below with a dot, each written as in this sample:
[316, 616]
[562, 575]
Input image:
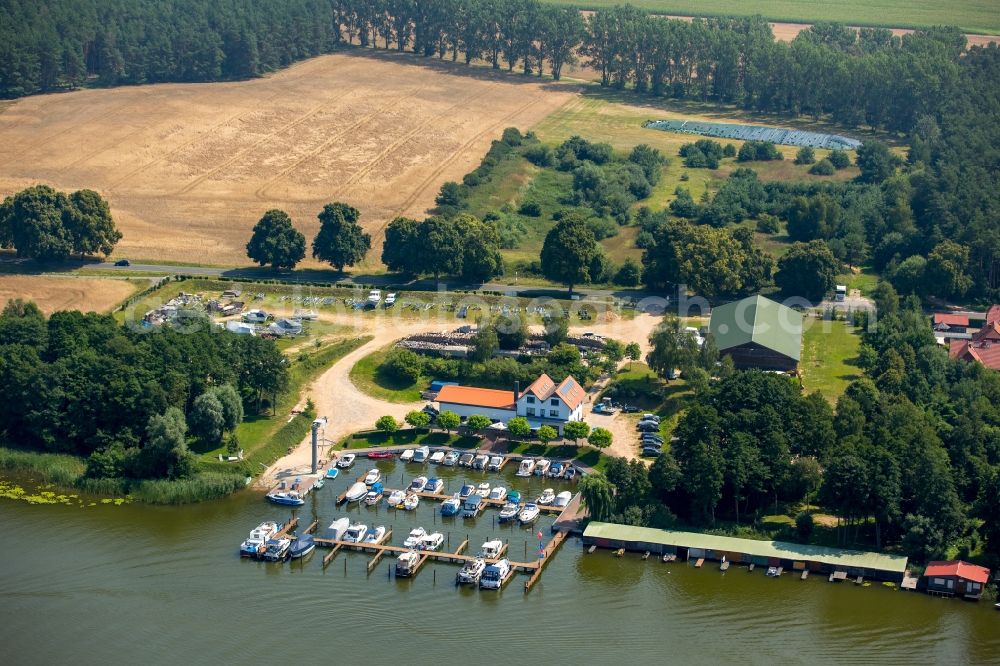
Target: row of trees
[44, 224]
[909, 458]
[461, 245]
[82, 384]
[340, 241]
[870, 77]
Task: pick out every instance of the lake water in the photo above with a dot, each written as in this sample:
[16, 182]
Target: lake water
[140, 584]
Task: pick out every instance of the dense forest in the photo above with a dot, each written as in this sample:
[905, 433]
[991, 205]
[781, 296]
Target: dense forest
[129, 399]
[908, 459]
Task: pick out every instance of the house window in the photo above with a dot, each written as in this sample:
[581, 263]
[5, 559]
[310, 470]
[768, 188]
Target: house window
[554, 402]
[939, 581]
[974, 586]
[530, 411]
[531, 400]
[553, 412]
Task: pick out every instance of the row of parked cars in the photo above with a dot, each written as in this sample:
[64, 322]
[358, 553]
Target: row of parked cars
[651, 440]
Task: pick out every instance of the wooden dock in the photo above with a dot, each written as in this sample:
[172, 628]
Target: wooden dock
[378, 555]
[440, 497]
[288, 527]
[909, 582]
[457, 558]
[548, 552]
[701, 561]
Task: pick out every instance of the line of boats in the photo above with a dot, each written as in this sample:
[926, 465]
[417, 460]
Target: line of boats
[265, 544]
[490, 463]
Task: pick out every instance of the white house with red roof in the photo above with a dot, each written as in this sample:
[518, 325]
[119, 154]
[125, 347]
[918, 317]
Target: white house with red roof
[543, 403]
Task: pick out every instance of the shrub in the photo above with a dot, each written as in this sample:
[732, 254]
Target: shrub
[729, 150]
[540, 156]
[629, 274]
[758, 151]
[822, 168]
[512, 136]
[768, 224]
[403, 364]
[530, 209]
[804, 525]
[806, 155]
[840, 159]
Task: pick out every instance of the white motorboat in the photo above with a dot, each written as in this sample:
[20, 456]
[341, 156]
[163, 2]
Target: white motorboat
[491, 549]
[563, 499]
[413, 540]
[437, 457]
[450, 459]
[411, 501]
[484, 489]
[346, 460]
[472, 506]
[406, 455]
[494, 464]
[356, 492]
[529, 513]
[432, 541]
[390, 299]
[406, 563]
[372, 497]
[495, 575]
[374, 297]
[277, 549]
[373, 476]
[542, 466]
[418, 484]
[396, 498]
[508, 512]
[451, 506]
[465, 460]
[479, 462]
[256, 543]
[547, 497]
[556, 470]
[498, 493]
[356, 533]
[287, 498]
[526, 467]
[434, 485]
[421, 454]
[375, 534]
[337, 529]
[471, 572]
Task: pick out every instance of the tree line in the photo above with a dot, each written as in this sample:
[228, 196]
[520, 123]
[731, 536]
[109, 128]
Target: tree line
[909, 458]
[130, 401]
[44, 224]
[867, 77]
[340, 242]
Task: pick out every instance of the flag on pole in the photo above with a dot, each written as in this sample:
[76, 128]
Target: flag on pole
[540, 535]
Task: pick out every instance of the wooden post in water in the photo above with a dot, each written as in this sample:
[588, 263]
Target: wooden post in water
[345, 566]
[388, 572]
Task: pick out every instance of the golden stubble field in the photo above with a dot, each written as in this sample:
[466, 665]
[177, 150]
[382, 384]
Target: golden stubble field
[189, 168]
[52, 293]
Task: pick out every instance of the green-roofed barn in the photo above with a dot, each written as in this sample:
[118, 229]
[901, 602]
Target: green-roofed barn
[757, 332]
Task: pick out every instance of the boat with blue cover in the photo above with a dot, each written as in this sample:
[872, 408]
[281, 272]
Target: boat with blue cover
[302, 546]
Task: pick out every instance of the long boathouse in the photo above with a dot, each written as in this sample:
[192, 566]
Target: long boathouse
[791, 556]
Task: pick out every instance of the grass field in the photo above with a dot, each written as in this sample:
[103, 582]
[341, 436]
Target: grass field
[828, 352]
[195, 165]
[53, 293]
[970, 15]
[366, 375]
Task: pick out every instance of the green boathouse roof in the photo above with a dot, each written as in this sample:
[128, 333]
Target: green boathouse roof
[759, 320]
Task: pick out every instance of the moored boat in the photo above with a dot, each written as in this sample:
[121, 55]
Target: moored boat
[508, 512]
[413, 540]
[418, 484]
[526, 467]
[467, 490]
[529, 513]
[547, 497]
[302, 547]
[286, 498]
[563, 499]
[373, 476]
[379, 455]
[406, 563]
[570, 472]
[332, 473]
[434, 485]
[479, 462]
[451, 507]
[484, 489]
[491, 549]
[411, 502]
[356, 492]
[373, 496]
[406, 455]
[450, 459]
[494, 464]
[437, 457]
[256, 542]
[465, 460]
[494, 575]
[542, 466]
[472, 506]
[396, 498]
[375, 534]
[432, 541]
[277, 549]
[471, 572]
[556, 470]
[498, 493]
[421, 454]
[345, 460]
[356, 533]
[337, 529]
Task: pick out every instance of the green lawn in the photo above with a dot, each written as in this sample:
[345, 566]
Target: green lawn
[407, 437]
[971, 15]
[829, 350]
[367, 376]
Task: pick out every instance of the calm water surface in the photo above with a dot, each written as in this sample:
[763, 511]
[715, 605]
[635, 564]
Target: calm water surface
[136, 584]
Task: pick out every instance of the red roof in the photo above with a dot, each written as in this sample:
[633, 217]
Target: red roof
[993, 314]
[471, 396]
[958, 568]
[569, 390]
[986, 353]
[950, 319]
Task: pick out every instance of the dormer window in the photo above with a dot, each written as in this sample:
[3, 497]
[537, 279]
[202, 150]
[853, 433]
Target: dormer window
[554, 402]
[531, 399]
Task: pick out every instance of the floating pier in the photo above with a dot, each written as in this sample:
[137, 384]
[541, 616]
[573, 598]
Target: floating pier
[547, 553]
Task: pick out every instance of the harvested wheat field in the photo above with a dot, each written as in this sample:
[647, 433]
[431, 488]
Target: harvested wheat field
[66, 293]
[189, 168]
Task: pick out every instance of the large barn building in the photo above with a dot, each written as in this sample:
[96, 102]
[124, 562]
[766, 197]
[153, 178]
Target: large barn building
[757, 332]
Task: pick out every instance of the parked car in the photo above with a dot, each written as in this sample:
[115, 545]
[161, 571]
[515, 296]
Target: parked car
[650, 452]
[646, 444]
[648, 426]
[650, 417]
[431, 411]
[123, 262]
[630, 409]
[650, 437]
